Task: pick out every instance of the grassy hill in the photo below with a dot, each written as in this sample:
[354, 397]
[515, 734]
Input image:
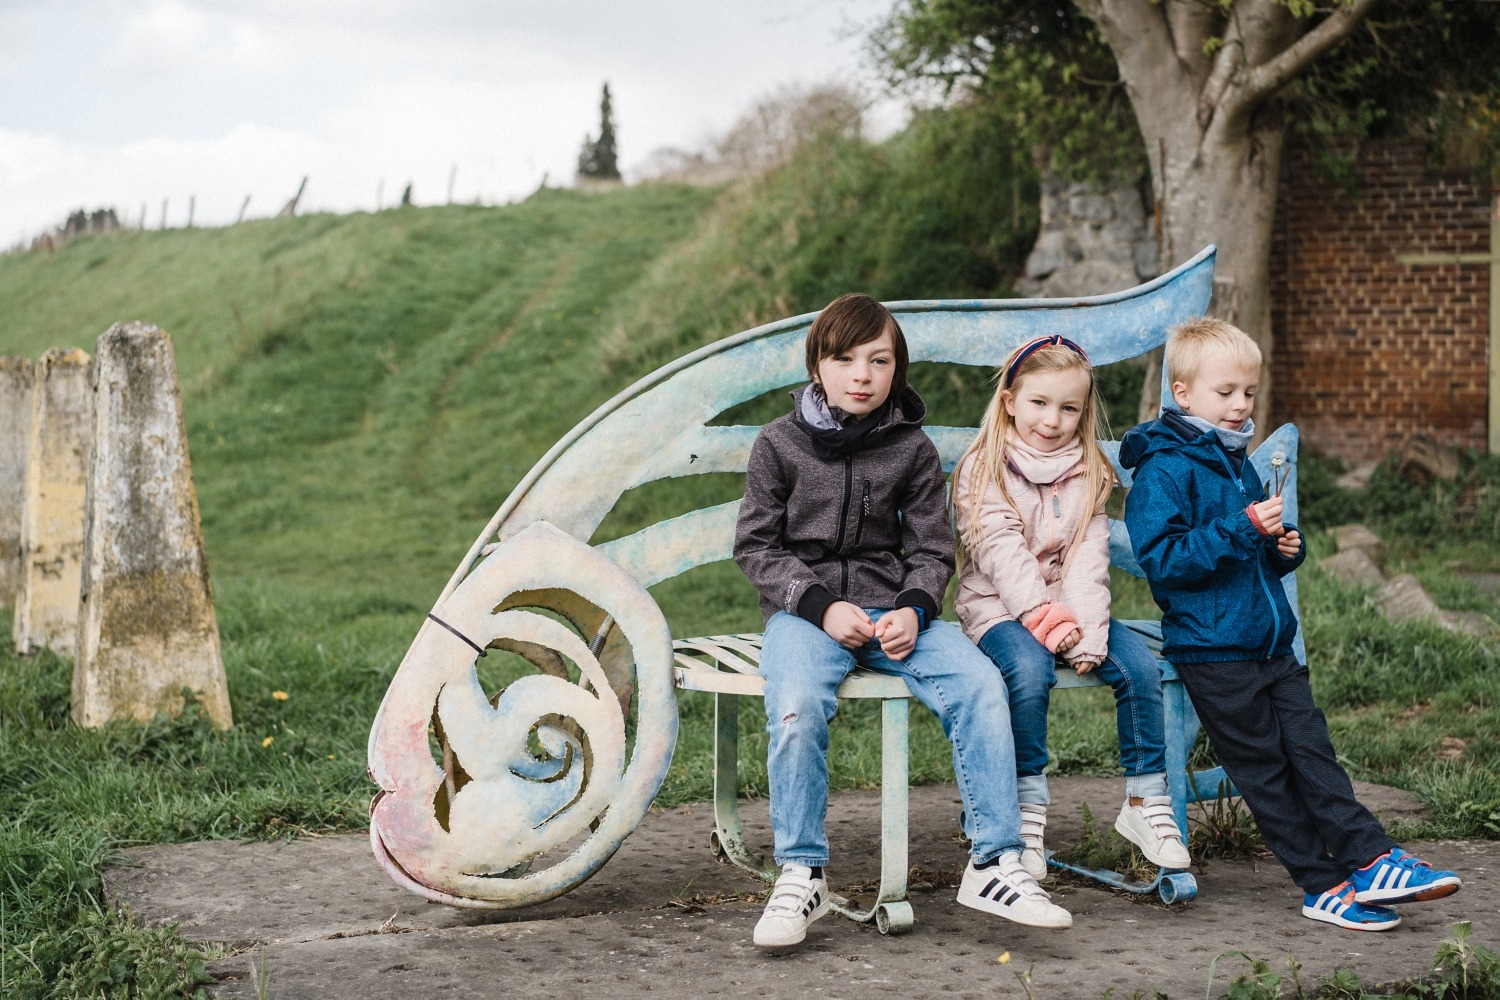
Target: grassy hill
[361, 392]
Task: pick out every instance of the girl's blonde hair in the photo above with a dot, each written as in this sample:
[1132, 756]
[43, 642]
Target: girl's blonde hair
[988, 452]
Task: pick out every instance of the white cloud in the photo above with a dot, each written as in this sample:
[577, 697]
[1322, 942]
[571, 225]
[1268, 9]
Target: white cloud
[220, 98]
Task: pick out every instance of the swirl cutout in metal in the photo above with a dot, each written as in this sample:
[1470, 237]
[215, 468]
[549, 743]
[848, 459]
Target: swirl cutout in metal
[536, 787]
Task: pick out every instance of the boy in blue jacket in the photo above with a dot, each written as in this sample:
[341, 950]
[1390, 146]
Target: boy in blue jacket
[1214, 548]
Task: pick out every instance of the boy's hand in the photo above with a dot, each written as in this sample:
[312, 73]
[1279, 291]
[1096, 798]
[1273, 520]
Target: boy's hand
[1069, 641]
[897, 632]
[848, 625]
[1268, 512]
[1289, 544]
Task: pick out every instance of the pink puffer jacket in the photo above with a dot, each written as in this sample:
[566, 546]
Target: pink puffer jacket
[1016, 565]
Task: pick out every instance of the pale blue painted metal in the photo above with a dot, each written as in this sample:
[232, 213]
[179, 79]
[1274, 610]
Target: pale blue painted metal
[660, 428]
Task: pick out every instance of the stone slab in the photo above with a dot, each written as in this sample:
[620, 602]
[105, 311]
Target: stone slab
[1353, 568]
[1403, 598]
[16, 377]
[1358, 477]
[62, 417]
[665, 916]
[1467, 623]
[1357, 536]
[146, 623]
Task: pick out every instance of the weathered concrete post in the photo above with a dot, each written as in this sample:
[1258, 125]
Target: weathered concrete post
[16, 378]
[52, 517]
[146, 627]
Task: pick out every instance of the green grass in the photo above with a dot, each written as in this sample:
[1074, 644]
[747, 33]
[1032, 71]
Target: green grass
[361, 392]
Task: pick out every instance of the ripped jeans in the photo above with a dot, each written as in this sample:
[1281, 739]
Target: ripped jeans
[803, 667]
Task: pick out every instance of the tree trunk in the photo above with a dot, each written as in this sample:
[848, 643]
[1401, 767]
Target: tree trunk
[1214, 133]
[1221, 189]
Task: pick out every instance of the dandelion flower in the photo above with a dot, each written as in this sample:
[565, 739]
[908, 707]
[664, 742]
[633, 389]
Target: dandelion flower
[280, 695]
[1004, 958]
[267, 741]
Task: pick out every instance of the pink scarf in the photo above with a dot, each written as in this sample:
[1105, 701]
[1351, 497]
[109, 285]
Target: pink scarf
[1041, 467]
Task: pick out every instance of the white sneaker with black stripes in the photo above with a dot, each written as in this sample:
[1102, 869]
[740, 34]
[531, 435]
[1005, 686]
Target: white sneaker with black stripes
[797, 900]
[1008, 890]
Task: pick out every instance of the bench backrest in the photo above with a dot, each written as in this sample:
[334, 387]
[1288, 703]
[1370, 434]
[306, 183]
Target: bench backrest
[660, 427]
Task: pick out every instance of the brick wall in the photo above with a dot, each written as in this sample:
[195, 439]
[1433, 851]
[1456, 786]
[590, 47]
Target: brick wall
[1370, 351]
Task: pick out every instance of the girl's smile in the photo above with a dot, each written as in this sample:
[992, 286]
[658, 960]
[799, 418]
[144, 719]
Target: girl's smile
[1046, 407]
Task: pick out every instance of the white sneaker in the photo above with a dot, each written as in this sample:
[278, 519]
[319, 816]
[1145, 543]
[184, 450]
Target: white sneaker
[797, 900]
[1033, 827]
[1151, 827]
[1008, 890]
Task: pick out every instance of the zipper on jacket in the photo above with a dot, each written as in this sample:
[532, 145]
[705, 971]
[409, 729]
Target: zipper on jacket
[864, 512]
[838, 542]
[1260, 566]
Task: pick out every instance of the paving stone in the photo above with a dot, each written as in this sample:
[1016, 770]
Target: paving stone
[662, 917]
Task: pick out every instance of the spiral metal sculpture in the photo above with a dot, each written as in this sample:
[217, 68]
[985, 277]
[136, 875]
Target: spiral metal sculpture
[530, 791]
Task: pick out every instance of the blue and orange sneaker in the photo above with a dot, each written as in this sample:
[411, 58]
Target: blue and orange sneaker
[1338, 906]
[1398, 877]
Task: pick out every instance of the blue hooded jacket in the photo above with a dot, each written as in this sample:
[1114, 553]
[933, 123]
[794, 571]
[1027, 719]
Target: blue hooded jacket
[1216, 578]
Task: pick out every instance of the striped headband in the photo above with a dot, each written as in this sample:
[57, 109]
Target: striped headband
[1055, 340]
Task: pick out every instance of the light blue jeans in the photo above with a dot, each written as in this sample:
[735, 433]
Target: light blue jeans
[803, 667]
[1129, 667]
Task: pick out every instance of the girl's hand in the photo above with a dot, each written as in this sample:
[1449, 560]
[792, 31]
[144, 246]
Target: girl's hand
[897, 632]
[1289, 544]
[1269, 514]
[848, 625]
[1081, 667]
[1069, 641]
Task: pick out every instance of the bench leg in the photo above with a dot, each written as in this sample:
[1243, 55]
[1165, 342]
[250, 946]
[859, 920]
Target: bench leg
[728, 838]
[1174, 702]
[891, 912]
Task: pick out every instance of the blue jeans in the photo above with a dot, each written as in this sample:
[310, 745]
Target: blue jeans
[803, 667]
[1129, 667]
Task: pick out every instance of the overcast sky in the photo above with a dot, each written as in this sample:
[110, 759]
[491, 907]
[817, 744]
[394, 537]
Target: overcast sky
[125, 103]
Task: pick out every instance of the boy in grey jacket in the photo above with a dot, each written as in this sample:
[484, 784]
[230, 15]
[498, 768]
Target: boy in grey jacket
[844, 533]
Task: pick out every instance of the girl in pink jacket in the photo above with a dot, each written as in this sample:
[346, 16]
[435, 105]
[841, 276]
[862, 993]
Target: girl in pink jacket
[1033, 588]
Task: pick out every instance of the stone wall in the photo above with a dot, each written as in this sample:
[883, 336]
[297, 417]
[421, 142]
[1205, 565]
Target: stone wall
[1370, 350]
[1092, 240]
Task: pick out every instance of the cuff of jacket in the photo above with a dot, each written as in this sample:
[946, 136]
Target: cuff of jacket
[921, 600]
[814, 603]
[1255, 522]
[1050, 624]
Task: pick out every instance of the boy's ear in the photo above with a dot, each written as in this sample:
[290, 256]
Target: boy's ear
[1179, 393]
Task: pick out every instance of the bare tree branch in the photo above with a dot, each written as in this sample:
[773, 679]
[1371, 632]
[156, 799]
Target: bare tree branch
[1227, 61]
[1264, 80]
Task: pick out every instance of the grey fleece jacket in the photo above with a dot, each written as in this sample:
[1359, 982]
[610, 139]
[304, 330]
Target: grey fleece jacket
[870, 528]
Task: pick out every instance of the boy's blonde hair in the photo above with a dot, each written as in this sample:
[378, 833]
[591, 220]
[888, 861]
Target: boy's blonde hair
[1190, 344]
[986, 456]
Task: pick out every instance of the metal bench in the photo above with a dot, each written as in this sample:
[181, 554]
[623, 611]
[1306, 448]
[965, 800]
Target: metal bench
[514, 798]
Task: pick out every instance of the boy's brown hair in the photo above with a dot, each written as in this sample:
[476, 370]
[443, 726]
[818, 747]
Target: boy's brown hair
[1189, 345]
[847, 322]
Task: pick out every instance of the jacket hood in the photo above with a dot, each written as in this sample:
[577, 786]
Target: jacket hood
[1162, 434]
